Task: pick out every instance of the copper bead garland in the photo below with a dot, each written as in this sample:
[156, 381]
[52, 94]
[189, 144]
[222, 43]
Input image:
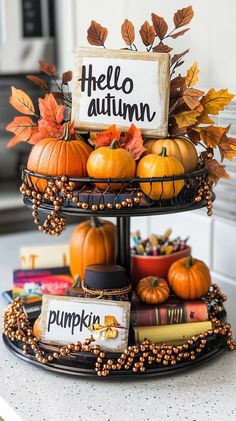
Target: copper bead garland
[136, 358]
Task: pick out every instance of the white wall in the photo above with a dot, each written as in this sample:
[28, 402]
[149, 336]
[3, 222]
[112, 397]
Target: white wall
[211, 38]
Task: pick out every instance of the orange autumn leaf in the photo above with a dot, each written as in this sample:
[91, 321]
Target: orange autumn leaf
[215, 170]
[192, 76]
[38, 81]
[48, 69]
[66, 77]
[128, 32]
[204, 118]
[183, 17]
[147, 33]
[134, 142]
[50, 110]
[23, 127]
[110, 321]
[96, 34]
[21, 102]
[179, 34]
[186, 118]
[191, 98]
[159, 25]
[161, 48]
[106, 137]
[215, 101]
[212, 135]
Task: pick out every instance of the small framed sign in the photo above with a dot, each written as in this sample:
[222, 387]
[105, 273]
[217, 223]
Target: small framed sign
[66, 320]
[121, 87]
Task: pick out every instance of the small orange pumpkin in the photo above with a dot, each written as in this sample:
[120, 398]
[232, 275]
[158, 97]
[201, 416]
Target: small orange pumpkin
[58, 156]
[111, 162]
[181, 149]
[153, 290]
[92, 242]
[36, 327]
[189, 278]
[159, 166]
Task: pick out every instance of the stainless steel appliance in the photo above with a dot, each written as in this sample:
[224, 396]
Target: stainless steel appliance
[26, 35]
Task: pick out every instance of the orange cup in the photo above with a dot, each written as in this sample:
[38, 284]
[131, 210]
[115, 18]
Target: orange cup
[142, 266]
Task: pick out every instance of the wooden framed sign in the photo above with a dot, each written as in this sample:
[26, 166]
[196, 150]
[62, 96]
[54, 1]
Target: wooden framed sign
[66, 320]
[121, 87]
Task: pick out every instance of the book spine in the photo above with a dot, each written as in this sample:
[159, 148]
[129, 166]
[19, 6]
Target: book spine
[168, 314]
[170, 333]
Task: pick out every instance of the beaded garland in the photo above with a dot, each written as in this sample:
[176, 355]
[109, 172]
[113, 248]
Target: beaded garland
[61, 189]
[136, 358]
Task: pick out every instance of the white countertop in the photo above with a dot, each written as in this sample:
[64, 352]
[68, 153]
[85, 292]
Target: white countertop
[201, 394]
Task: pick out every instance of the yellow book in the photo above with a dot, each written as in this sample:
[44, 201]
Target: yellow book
[171, 333]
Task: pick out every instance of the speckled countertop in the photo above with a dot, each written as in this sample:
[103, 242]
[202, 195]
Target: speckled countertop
[204, 393]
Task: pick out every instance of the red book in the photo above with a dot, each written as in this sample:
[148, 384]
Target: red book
[172, 311]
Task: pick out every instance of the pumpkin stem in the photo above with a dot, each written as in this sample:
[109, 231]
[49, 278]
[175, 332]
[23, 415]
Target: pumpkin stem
[113, 144]
[66, 131]
[96, 222]
[163, 152]
[154, 281]
[77, 282]
[189, 262]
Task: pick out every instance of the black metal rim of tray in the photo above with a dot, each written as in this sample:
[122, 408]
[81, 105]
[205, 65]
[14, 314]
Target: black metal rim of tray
[82, 364]
[111, 201]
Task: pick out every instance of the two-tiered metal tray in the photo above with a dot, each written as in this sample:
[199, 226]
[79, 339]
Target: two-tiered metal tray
[64, 196]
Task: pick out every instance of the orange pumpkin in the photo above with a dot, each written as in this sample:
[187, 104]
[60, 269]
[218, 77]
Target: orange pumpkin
[181, 149]
[111, 162]
[36, 327]
[153, 290]
[57, 157]
[159, 166]
[92, 242]
[189, 278]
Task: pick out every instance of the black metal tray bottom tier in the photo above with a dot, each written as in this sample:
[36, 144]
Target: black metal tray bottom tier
[82, 364]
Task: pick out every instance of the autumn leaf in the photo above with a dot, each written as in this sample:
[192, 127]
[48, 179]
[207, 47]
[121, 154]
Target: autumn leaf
[110, 321]
[183, 17]
[214, 101]
[193, 135]
[38, 81]
[50, 110]
[177, 57]
[186, 118]
[48, 69]
[106, 137]
[179, 34]
[192, 75]
[147, 34]
[159, 25]
[176, 83]
[96, 34]
[204, 118]
[161, 48]
[212, 135]
[191, 98]
[66, 77]
[215, 170]
[21, 102]
[21, 126]
[134, 142]
[127, 32]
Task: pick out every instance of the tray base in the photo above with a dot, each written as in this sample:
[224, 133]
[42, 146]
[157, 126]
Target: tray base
[82, 364]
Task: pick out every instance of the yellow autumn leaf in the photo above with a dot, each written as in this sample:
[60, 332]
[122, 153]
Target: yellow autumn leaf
[186, 118]
[110, 333]
[192, 75]
[204, 119]
[215, 101]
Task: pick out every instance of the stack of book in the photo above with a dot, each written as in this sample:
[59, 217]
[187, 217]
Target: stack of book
[174, 321]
